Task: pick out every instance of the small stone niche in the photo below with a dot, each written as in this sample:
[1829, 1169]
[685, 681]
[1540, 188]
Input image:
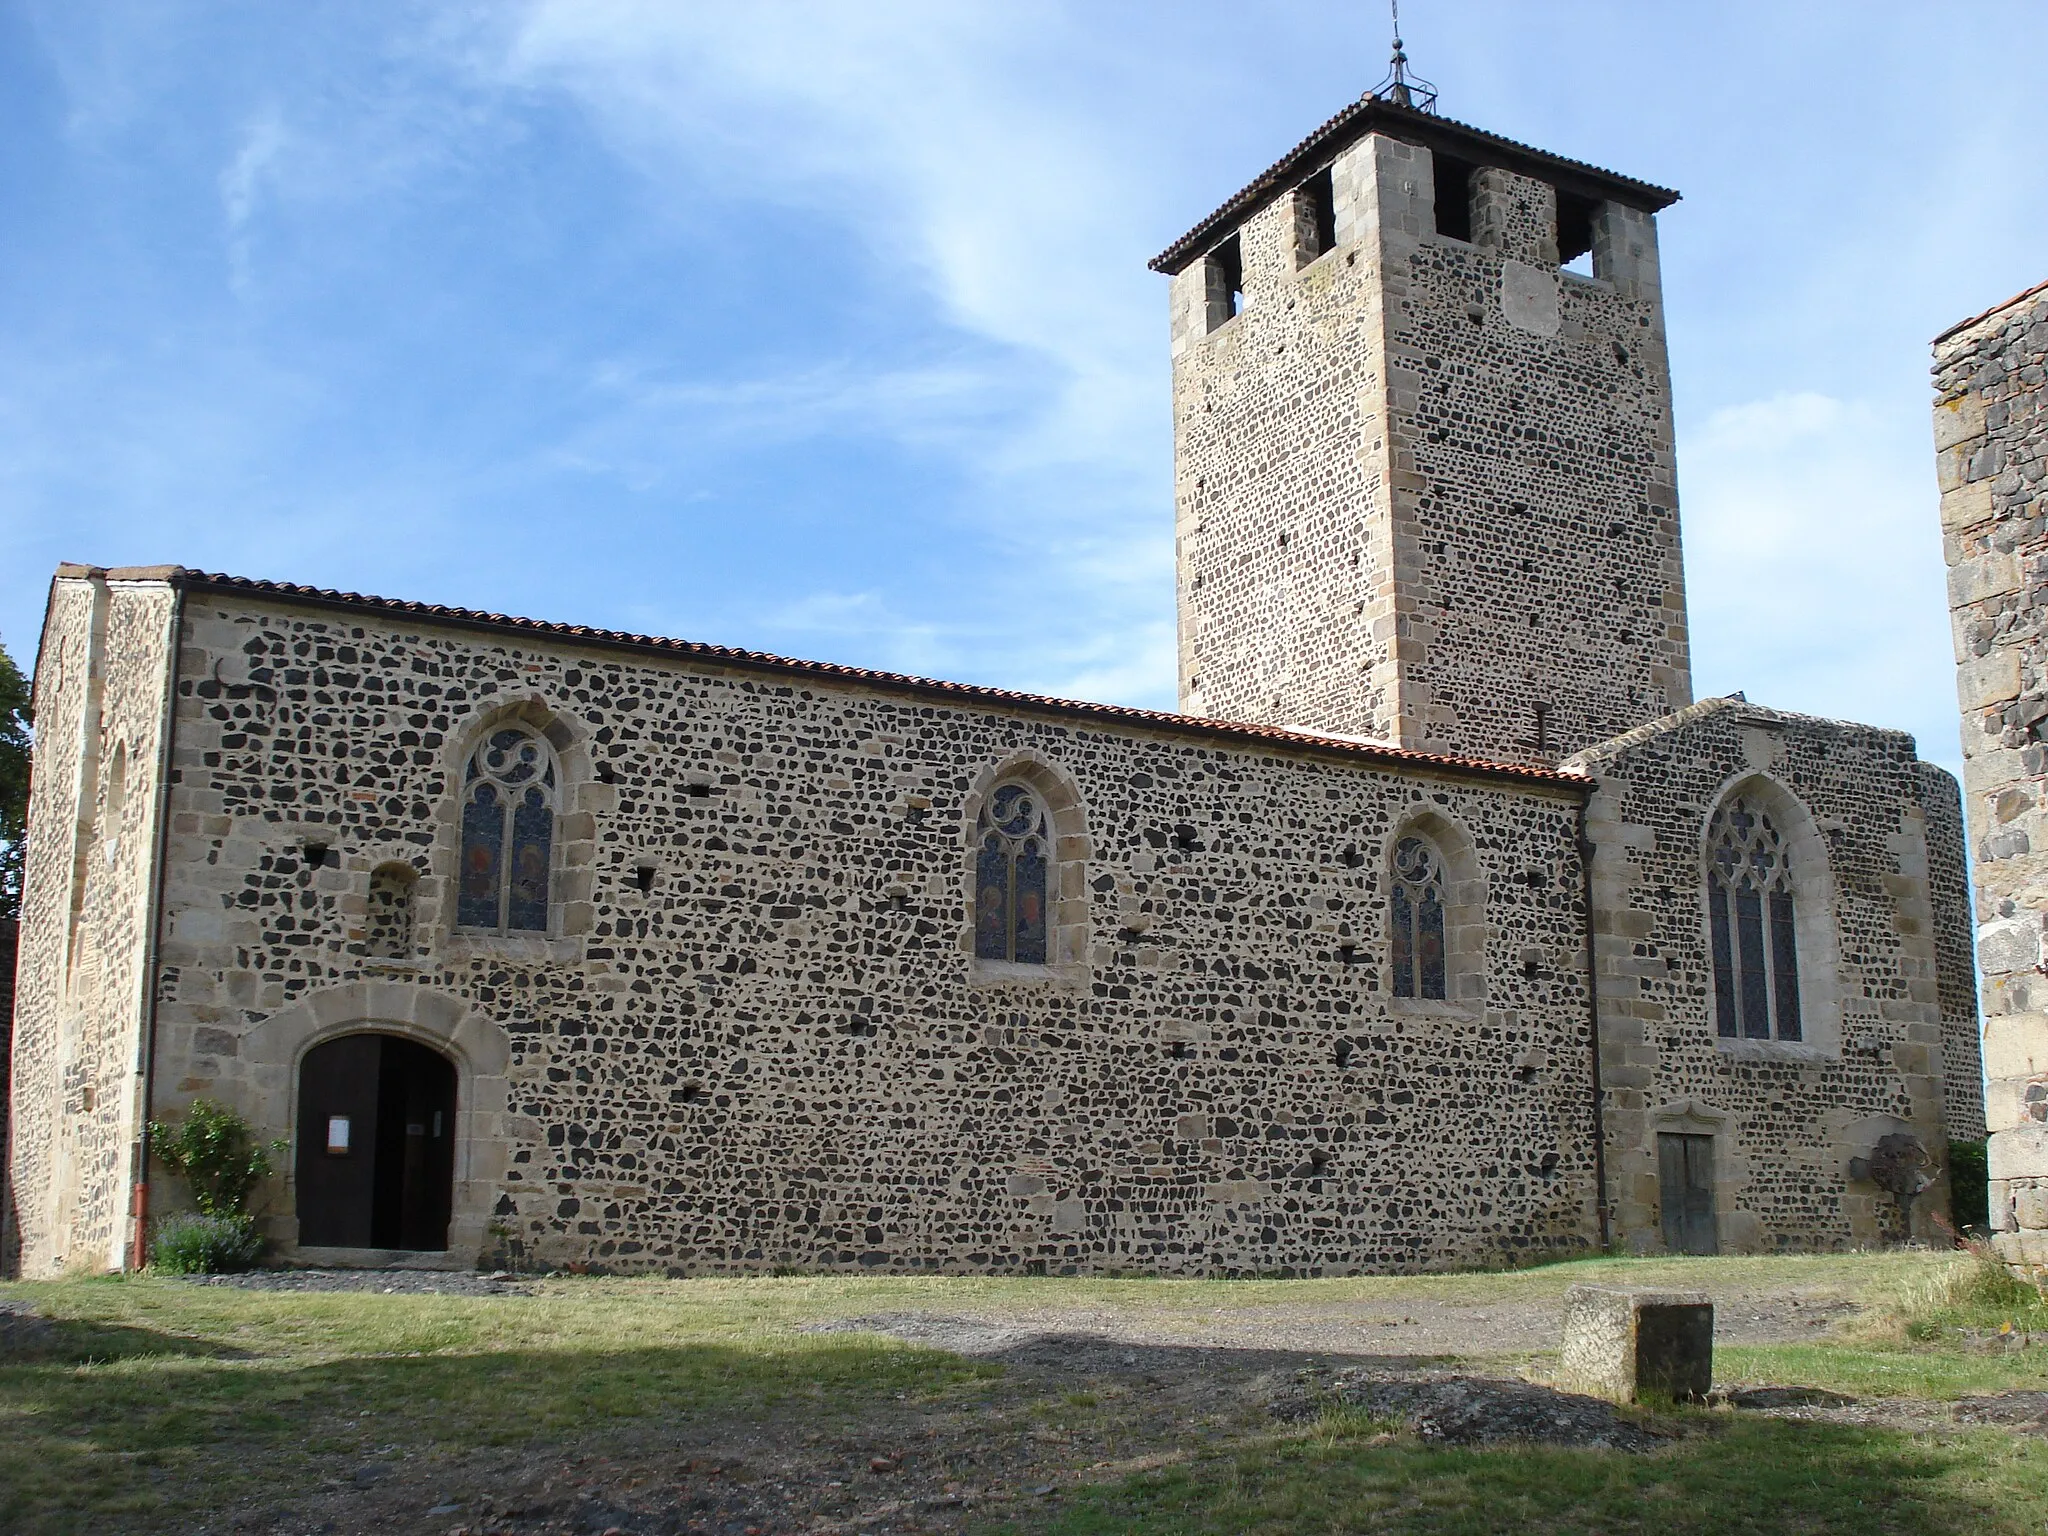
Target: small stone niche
[1628, 1345]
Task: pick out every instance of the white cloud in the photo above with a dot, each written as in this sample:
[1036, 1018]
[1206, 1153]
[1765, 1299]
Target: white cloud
[918, 131]
[262, 142]
[1813, 565]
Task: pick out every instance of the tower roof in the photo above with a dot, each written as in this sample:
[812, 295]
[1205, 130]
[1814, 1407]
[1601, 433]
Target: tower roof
[1371, 113]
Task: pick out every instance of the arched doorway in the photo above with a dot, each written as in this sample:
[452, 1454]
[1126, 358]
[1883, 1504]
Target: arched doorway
[376, 1163]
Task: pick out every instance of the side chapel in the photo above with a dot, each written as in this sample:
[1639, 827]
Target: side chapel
[1442, 926]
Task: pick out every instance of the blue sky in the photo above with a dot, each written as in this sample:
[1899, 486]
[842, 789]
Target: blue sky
[826, 328]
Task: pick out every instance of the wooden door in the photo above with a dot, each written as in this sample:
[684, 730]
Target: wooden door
[415, 1147]
[1685, 1187]
[376, 1158]
[337, 1162]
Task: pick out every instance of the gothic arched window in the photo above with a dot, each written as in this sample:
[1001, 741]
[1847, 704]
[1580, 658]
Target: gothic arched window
[1753, 924]
[1013, 852]
[1417, 919]
[508, 833]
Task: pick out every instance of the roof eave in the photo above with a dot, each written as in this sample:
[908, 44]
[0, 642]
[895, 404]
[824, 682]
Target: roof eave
[1109, 715]
[1359, 119]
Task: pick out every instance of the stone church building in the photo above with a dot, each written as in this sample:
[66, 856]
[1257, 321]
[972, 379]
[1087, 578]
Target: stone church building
[1442, 926]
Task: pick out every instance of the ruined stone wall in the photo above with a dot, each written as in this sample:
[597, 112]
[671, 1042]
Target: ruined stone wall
[101, 703]
[1426, 486]
[1991, 441]
[1787, 1118]
[783, 1052]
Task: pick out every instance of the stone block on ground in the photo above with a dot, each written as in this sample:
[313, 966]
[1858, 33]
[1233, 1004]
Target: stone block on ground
[1625, 1345]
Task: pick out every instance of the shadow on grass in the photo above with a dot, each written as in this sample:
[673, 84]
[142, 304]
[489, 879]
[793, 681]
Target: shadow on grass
[169, 1434]
[151, 1436]
[26, 1339]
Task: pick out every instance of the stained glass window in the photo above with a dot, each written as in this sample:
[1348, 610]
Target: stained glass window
[1418, 920]
[508, 834]
[1750, 919]
[1011, 864]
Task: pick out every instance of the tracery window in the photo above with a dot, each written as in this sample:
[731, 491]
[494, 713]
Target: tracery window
[1751, 917]
[1013, 853]
[508, 833]
[1417, 919]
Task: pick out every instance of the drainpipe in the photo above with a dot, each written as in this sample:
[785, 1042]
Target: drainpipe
[1593, 1035]
[145, 1065]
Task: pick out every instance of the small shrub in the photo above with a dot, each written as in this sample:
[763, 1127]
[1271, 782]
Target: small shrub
[217, 1153]
[205, 1245]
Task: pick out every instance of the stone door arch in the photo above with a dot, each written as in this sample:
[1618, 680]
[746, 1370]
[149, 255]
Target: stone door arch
[478, 1051]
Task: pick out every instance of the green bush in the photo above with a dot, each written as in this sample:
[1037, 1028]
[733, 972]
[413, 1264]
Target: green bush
[217, 1153]
[1969, 1184]
[205, 1245]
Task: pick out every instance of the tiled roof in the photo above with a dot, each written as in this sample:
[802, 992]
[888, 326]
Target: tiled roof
[1410, 126]
[825, 671]
[1964, 325]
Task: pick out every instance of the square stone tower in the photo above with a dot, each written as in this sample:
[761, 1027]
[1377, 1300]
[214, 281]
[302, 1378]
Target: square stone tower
[1424, 479]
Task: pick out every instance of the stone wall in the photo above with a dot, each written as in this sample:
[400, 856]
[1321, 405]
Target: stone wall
[783, 1052]
[1426, 487]
[1991, 441]
[1962, 1046]
[10, 1240]
[101, 695]
[1787, 1118]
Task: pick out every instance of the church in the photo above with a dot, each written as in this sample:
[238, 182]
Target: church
[1442, 925]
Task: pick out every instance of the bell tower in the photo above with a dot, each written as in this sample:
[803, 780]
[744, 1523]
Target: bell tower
[1424, 479]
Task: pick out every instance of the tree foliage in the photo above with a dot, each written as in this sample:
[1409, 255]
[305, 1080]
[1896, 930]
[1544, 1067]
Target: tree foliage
[14, 767]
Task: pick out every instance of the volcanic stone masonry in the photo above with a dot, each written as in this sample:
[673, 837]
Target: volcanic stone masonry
[1425, 484]
[780, 1052]
[1991, 442]
[1424, 495]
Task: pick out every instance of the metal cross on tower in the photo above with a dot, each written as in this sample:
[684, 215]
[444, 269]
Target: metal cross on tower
[1400, 87]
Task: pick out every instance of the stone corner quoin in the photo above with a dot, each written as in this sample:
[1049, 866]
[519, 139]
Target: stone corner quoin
[1991, 448]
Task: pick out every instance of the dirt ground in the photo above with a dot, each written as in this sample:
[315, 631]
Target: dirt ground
[1089, 1392]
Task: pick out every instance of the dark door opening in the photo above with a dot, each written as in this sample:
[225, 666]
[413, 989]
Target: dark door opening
[1685, 1189]
[376, 1164]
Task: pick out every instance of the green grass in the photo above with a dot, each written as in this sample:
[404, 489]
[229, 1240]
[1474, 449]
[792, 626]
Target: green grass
[1738, 1476]
[160, 1400]
[223, 1393]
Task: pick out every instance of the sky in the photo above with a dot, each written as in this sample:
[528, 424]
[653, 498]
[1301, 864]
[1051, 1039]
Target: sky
[825, 328]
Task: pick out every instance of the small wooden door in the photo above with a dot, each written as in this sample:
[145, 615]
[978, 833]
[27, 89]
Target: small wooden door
[376, 1159]
[1685, 1189]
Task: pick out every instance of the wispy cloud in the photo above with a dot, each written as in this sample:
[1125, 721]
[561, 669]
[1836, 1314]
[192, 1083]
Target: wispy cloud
[241, 184]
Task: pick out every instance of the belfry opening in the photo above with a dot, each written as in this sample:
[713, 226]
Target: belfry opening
[376, 1145]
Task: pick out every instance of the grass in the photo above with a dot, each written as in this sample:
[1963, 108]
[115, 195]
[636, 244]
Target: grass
[1745, 1475]
[157, 1400]
[170, 1398]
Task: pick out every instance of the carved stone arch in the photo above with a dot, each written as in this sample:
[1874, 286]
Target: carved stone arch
[580, 798]
[1818, 940]
[479, 1048]
[1465, 930]
[569, 737]
[1070, 928]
